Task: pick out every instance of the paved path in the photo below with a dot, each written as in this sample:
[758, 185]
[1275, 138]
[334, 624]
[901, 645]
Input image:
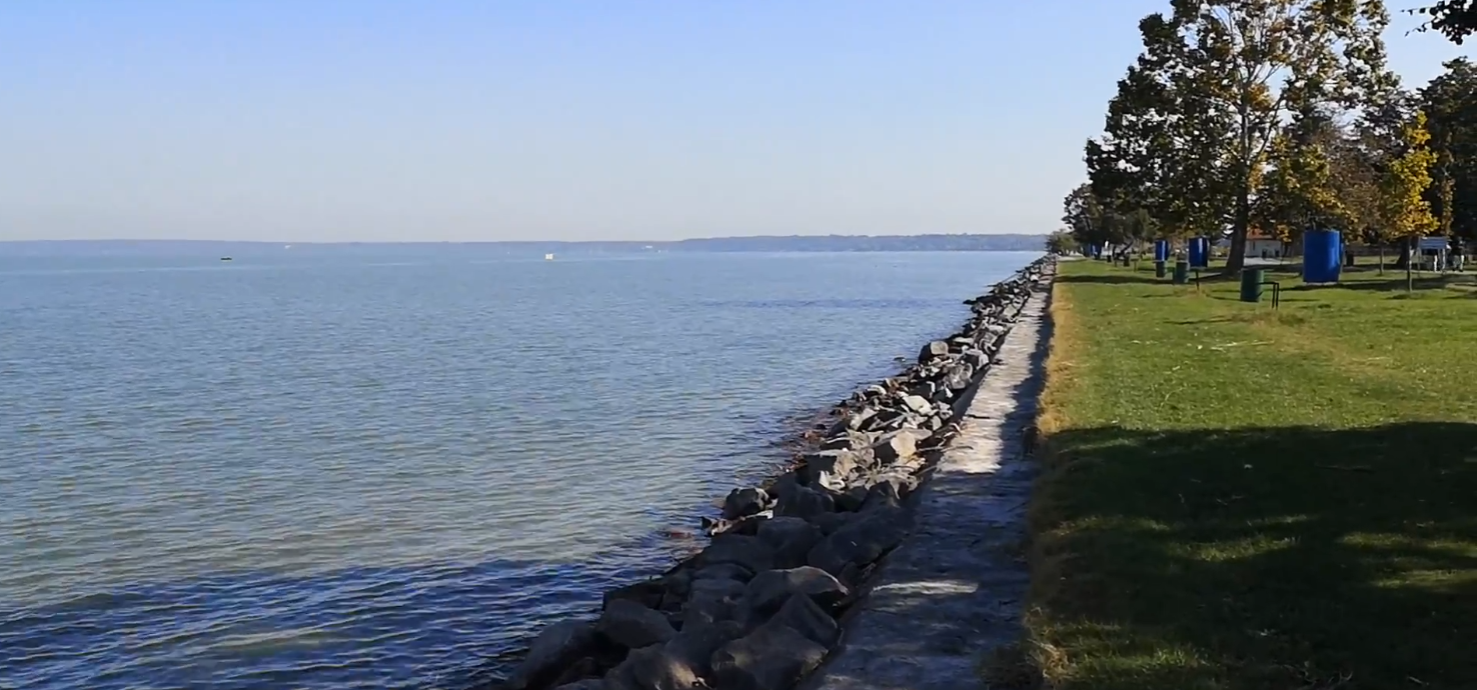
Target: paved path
[955, 589]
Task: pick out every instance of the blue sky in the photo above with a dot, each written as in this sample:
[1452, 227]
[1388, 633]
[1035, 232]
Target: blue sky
[481, 120]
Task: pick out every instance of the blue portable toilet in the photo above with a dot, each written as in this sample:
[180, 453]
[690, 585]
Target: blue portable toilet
[1199, 252]
[1097, 251]
[1161, 250]
[1322, 251]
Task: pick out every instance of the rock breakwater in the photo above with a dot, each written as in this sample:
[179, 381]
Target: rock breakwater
[758, 607]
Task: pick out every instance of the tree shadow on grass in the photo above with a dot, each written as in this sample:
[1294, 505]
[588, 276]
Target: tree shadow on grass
[1217, 277]
[1394, 284]
[1290, 557]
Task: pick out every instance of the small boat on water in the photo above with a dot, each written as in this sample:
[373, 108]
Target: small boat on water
[548, 257]
[225, 258]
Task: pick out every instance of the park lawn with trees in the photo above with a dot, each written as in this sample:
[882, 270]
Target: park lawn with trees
[1280, 116]
[1237, 497]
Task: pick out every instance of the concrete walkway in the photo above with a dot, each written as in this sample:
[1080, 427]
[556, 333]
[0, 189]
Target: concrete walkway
[955, 589]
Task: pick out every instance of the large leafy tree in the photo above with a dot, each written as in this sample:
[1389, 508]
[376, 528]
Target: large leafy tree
[1302, 189]
[1148, 167]
[1092, 221]
[1126, 167]
[1355, 168]
[1085, 217]
[1404, 211]
[1240, 71]
[1450, 104]
[1374, 141]
[1061, 242]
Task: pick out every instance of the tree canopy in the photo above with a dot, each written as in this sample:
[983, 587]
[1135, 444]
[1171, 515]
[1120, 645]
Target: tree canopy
[1457, 19]
[1279, 116]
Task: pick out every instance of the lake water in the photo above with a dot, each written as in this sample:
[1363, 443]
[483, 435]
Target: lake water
[344, 468]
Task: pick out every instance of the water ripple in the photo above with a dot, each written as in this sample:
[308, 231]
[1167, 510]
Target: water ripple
[338, 475]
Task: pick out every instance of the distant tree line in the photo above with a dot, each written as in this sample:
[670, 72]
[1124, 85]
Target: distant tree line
[863, 243]
[1281, 116]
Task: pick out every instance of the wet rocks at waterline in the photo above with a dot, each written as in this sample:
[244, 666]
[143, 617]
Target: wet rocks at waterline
[757, 608]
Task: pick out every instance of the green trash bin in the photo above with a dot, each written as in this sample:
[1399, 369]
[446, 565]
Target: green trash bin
[1181, 272]
[1251, 284]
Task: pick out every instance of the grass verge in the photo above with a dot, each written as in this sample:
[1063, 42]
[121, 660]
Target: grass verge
[1236, 497]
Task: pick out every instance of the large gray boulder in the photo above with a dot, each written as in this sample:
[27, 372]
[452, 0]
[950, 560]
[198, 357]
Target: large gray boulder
[792, 539]
[858, 420]
[883, 496]
[586, 684]
[932, 351]
[801, 614]
[851, 440]
[902, 443]
[837, 463]
[721, 571]
[902, 478]
[744, 502]
[804, 502]
[918, 404]
[648, 593]
[739, 549]
[712, 601]
[633, 626]
[773, 657]
[695, 646]
[653, 668]
[831, 522]
[861, 541]
[556, 647]
[769, 590]
[959, 377]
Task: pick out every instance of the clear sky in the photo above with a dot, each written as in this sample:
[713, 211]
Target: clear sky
[327, 120]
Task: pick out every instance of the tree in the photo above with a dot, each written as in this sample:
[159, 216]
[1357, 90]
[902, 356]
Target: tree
[1375, 140]
[1147, 166]
[1356, 177]
[1239, 70]
[1404, 211]
[1300, 190]
[1456, 19]
[1138, 228]
[1450, 103]
[1086, 219]
[1061, 243]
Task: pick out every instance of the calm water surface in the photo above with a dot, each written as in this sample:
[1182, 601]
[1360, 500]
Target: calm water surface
[338, 470]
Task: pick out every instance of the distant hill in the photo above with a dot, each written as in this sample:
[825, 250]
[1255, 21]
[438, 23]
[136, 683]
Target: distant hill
[864, 243]
[790, 243]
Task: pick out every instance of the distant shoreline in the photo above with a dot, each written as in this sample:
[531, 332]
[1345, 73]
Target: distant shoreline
[790, 243]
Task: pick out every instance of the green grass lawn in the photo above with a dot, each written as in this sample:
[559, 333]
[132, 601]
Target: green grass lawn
[1237, 497]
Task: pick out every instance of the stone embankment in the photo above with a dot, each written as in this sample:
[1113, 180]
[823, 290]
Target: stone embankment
[757, 608]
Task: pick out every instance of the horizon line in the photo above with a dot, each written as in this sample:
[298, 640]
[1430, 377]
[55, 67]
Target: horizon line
[636, 241]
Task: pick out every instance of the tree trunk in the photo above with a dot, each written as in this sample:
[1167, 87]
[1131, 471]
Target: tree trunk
[1237, 258]
[1404, 260]
[1382, 258]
